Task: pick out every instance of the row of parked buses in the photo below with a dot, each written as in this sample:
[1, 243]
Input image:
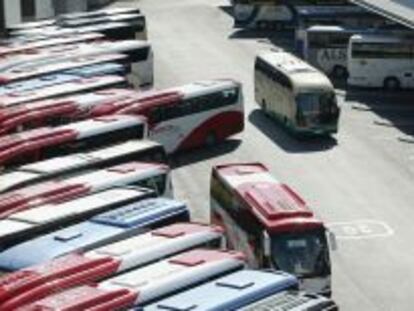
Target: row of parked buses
[88, 219]
[341, 39]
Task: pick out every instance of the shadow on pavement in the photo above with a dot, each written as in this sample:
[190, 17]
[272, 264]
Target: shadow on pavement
[393, 109]
[228, 9]
[287, 141]
[201, 154]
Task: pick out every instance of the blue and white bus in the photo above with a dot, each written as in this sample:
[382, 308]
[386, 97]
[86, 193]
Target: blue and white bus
[230, 292]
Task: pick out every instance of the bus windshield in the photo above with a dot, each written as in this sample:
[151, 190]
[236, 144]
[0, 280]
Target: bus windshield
[304, 254]
[322, 105]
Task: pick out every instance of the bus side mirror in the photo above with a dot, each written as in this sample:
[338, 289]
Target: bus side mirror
[332, 241]
[266, 244]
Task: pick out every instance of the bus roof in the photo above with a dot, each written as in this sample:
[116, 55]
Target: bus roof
[293, 301]
[301, 74]
[117, 257]
[380, 38]
[229, 292]
[33, 172]
[274, 204]
[60, 190]
[331, 28]
[102, 229]
[332, 11]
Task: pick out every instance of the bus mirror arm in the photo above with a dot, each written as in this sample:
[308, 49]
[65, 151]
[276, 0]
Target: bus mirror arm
[332, 240]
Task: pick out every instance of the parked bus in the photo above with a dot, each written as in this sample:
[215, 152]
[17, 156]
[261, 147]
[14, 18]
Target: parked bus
[86, 66]
[155, 176]
[21, 88]
[148, 284]
[271, 224]
[376, 61]
[100, 230]
[100, 13]
[106, 261]
[72, 164]
[293, 301]
[230, 292]
[61, 110]
[350, 16]
[189, 116]
[325, 47]
[295, 94]
[273, 13]
[28, 224]
[62, 85]
[23, 46]
[139, 53]
[116, 27]
[47, 142]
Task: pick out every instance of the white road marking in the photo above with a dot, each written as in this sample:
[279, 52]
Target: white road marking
[360, 229]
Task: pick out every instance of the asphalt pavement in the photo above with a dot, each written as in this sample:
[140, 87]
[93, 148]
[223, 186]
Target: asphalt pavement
[360, 182]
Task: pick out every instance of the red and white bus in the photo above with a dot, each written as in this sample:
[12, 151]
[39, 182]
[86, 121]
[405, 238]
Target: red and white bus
[271, 224]
[154, 176]
[17, 46]
[61, 110]
[29, 284]
[62, 88]
[78, 163]
[44, 143]
[188, 116]
[147, 284]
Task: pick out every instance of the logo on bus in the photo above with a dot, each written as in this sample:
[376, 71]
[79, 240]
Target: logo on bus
[331, 55]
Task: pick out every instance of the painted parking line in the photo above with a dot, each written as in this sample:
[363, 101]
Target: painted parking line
[360, 229]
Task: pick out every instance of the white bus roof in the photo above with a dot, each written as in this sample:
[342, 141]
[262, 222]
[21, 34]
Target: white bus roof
[379, 38]
[176, 272]
[300, 73]
[198, 88]
[54, 166]
[160, 243]
[329, 28]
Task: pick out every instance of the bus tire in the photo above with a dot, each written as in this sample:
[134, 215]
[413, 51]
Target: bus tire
[391, 84]
[211, 139]
[340, 72]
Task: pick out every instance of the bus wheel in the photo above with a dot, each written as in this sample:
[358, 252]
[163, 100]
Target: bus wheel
[211, 139]
[340, 72]
[391, 84]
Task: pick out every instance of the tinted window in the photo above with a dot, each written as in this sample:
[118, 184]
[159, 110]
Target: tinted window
[382, 50]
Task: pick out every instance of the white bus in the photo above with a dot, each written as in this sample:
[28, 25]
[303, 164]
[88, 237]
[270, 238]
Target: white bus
[381, 61]
[349, 16]
[325, 47]
[140, 57]
[295, 94]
